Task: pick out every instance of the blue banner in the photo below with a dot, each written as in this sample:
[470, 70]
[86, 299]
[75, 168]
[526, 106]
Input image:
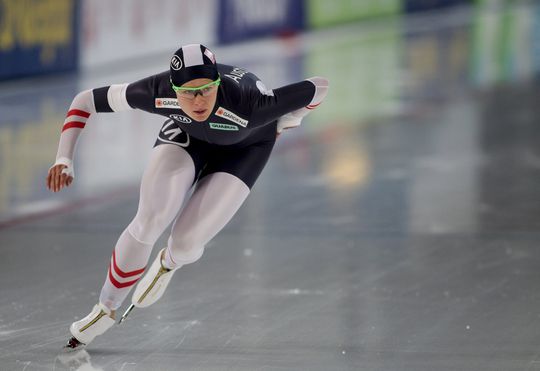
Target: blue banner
[245, 19]
[37, 37]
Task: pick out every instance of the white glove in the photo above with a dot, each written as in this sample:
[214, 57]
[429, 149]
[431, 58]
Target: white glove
[294, 118]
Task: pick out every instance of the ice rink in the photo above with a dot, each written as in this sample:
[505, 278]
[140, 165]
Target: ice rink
[397, 229]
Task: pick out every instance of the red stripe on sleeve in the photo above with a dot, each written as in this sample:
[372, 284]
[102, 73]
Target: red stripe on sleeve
[312, 106]
[78, 112]
[122, 273]
[73, 124]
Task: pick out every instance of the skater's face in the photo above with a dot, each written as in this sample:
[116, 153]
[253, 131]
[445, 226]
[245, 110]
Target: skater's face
[198, 103]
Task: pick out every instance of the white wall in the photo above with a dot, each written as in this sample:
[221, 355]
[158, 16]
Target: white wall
[122, 30]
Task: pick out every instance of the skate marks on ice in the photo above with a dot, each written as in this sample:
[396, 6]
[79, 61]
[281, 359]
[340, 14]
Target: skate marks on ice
[40, 348]
[15, 341]
[80, 360]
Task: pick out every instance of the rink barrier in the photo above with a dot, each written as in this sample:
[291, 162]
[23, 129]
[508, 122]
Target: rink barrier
[240, 20]
[38, 37]
[42, 36]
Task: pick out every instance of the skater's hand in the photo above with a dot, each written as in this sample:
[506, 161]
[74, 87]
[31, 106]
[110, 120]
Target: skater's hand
[58, 178]
[278, 133]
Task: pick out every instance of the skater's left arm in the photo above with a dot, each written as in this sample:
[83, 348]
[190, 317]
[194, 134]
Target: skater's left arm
[296, 99]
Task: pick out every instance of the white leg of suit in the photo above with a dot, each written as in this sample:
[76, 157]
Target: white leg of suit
[165, 183]
[214, 202]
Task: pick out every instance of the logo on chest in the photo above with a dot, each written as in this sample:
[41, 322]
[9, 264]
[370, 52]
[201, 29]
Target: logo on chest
[228, 115]
[167, 103]
[180, 118]
[220, 126]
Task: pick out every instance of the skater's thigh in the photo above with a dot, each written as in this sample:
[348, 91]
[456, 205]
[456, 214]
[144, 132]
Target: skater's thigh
[165, 183]
[169, 175]
[216, 199]
[169, 161]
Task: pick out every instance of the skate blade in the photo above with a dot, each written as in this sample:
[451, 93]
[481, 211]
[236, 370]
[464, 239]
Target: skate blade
[126, 313]
[73, 345]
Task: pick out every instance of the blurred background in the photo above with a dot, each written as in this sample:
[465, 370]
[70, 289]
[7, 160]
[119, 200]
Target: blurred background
[420, 60]
[396, 229]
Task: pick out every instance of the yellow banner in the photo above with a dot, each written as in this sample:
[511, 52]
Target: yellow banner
[31, 23]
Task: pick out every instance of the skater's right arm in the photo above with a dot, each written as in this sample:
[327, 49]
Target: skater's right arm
[61, 173]
[113, 98]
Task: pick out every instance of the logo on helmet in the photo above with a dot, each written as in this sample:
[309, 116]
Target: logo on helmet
[176, 62]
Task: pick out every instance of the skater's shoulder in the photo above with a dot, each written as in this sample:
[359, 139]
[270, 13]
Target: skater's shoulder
[153, 86]
[237, 87]
[239, 76]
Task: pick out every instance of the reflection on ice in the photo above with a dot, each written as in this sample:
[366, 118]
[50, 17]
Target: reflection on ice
[77, 361]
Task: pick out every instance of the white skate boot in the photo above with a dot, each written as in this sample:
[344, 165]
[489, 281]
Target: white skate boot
[152, 286]
[86, 329]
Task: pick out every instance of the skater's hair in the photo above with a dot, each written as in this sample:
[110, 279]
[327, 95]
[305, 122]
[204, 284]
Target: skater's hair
[193, 61]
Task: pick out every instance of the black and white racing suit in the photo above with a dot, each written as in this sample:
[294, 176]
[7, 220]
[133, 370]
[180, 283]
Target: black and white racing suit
[224, 155]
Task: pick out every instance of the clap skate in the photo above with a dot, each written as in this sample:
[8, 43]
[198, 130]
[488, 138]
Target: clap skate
[151, 287]
[86, 329]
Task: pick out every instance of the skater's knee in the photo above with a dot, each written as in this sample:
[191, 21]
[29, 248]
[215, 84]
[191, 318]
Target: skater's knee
[147, 228]
[185, 250]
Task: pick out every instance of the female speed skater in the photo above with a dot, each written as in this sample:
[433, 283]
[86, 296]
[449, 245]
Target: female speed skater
[222, 123]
